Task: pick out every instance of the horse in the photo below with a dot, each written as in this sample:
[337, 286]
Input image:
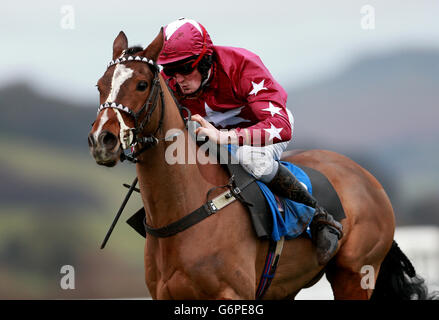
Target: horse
[221, 257]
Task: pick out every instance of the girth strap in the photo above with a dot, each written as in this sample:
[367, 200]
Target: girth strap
[206, 210]
[270, 266]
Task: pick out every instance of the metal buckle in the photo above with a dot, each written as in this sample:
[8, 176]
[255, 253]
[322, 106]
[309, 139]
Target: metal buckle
[212, 208]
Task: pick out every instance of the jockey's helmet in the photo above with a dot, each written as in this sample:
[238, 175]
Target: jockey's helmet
[185, 38]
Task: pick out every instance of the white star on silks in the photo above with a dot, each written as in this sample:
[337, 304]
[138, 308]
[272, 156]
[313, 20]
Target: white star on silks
[274, 132]
[224, 119]
[272, 109]
[257, 87]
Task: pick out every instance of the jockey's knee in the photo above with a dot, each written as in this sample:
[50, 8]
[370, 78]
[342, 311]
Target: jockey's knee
[258, 162]
[269, 172]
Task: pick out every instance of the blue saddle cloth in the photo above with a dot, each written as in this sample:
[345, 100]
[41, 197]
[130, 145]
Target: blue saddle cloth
[297, 215]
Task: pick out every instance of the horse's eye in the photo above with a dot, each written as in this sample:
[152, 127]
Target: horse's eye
[142, 85]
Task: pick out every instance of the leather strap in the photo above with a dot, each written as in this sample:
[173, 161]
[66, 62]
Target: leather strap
[180, 225]
[207, 209]
[270, 266]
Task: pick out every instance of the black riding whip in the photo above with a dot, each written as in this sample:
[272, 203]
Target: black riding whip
[131, 189]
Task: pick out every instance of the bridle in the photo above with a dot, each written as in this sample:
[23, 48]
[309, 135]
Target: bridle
[134, 135]
[130, 137]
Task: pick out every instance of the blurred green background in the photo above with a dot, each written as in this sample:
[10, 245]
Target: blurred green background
[57, 204]
[371, 95]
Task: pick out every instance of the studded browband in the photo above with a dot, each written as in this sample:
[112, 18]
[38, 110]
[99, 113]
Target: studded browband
[132, 58]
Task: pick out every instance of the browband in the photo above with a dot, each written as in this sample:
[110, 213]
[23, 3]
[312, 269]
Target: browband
[133, 58]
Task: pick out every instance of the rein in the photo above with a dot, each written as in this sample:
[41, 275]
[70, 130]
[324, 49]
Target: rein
[134, 136]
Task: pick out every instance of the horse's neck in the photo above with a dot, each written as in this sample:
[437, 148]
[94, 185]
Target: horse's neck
[170, 191]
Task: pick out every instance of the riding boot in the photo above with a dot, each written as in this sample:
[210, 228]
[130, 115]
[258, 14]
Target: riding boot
[325, 230]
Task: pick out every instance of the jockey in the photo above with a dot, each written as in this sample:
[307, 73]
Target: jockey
[230, 89]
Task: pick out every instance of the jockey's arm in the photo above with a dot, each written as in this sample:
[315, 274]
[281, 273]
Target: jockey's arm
[254, 84]
[267, 100]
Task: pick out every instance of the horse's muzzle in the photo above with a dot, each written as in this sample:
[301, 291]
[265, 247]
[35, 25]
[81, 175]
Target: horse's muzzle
[105, 149]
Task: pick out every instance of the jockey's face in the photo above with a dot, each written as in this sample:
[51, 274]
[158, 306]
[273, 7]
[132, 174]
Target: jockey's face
[189, 83]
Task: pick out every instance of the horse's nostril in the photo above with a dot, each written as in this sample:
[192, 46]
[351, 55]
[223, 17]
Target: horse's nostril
[91, 141]
[108, 140]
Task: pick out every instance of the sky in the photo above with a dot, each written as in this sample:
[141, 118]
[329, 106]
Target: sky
[62, 47]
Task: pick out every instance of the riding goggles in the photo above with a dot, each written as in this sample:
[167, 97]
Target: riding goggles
[183, 69]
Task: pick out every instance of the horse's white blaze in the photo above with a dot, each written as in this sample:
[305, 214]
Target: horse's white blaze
[126, 134]
[120, 75]
[102, 120]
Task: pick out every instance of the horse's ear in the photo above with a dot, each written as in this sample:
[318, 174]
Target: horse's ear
[120, 44]
[155, 47]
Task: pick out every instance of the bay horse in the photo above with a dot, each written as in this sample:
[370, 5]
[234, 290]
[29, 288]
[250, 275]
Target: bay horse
[221, 257]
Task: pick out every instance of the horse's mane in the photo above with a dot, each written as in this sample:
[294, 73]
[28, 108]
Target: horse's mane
[132, 50]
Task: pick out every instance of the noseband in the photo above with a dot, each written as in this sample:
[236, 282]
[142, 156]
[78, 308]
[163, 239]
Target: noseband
[133, 136]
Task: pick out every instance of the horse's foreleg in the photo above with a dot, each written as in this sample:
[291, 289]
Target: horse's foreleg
[349, 284]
